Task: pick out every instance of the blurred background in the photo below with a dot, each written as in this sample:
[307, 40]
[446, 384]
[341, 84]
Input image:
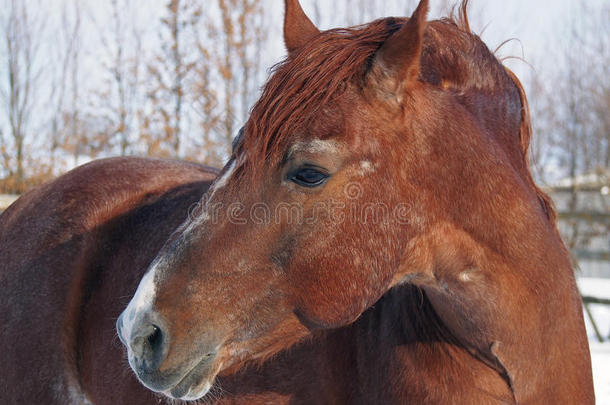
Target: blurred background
[86, 79]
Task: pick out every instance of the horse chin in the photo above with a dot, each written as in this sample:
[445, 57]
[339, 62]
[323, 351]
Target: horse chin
[196, 383]
[191, 394]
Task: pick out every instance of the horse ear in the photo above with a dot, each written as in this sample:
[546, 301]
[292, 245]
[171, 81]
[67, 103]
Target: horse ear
[298, 28]
[401, 53]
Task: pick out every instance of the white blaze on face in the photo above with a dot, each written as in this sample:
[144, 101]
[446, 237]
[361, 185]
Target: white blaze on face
[140, 303]
[144, 297]
[221, 182]
[204, 216]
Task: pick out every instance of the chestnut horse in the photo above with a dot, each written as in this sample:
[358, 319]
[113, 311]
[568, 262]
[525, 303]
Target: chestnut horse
[71, 255]
[376, 237]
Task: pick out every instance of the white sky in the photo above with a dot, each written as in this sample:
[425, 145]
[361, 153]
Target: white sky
[540, 25]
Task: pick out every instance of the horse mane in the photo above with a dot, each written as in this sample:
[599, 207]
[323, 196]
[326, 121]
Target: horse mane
[525, 135]
[453, 58]
[308, 80]
[459, 17]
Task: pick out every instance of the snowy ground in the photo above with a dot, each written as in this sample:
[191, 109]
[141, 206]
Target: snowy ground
[600, 358]
[600, 352]
[6, 200]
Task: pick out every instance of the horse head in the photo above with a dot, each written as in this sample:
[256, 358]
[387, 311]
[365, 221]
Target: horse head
[390, 153]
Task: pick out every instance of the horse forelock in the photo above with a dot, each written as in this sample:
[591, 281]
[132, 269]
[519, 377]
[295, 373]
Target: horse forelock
[453, 59]
[307, 81]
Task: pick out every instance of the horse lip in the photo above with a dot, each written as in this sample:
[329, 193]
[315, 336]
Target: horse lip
[182, 389]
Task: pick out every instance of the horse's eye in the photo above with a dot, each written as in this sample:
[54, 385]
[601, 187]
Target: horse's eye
[308, 177]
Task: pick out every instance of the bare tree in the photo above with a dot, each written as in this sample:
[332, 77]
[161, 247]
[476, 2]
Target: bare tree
[242, 31]
[541, 146]
[574, 112]
[581, 93]
[115, 105]
[65, 84]
[226, 67]
[170, 71]
[23, 33]
[205, 103]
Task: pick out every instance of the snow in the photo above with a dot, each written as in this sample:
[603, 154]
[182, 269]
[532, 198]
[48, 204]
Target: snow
[600, 359]
[595, 180]
[596, 287]
[6, 200]
[600, 352]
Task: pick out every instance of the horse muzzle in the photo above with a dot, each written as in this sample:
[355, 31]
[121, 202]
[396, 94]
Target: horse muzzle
[147, 340]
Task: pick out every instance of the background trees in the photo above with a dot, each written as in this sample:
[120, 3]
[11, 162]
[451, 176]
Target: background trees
[81, 79]
[22, 30]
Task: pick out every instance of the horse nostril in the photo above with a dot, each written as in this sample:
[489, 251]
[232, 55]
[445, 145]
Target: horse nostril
[148, 345]
[155, 339]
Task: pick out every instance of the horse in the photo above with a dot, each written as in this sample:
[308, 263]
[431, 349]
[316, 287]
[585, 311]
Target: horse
[376, 237]
[71, 254]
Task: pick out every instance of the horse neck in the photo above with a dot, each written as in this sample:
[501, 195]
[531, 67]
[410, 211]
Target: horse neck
[501, 301]
[397, 350]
